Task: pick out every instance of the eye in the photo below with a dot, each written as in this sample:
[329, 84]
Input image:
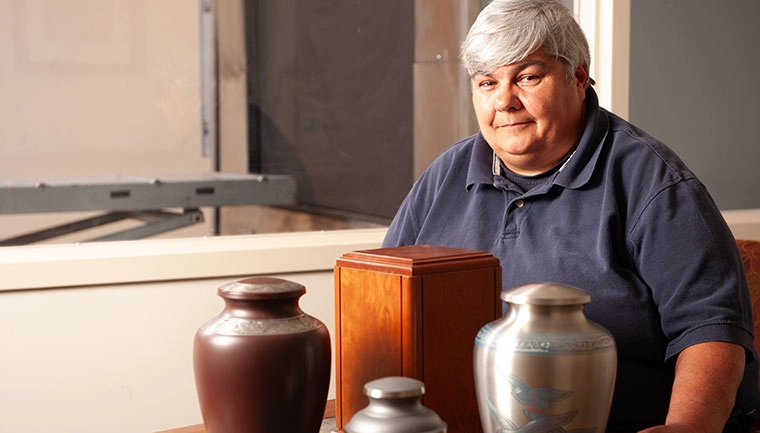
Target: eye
[486, 84]
[528, 80]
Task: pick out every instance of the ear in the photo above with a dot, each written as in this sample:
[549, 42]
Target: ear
[582, 80]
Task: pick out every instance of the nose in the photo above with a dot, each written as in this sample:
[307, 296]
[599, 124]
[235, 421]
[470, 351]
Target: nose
[506, 99]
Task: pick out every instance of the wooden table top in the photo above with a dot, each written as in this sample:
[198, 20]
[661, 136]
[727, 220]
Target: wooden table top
[328, 424]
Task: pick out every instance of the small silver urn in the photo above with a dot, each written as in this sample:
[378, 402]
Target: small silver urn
[395, 406]
[544, 366]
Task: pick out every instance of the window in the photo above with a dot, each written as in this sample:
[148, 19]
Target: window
[106, 100]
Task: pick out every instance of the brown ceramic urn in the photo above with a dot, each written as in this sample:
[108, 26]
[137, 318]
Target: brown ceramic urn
[262, 365]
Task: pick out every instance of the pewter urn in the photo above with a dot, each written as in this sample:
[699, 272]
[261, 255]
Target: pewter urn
[395, 406]
[544, 366]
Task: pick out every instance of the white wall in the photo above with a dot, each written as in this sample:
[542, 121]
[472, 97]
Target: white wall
[98, 337]
[744, 223]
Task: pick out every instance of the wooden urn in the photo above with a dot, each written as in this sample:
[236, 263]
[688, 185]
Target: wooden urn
[413, 311]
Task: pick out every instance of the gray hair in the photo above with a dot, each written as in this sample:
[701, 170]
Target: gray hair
[508, 31]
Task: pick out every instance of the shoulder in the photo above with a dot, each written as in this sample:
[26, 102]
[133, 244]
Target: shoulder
[457, 153]
[640, 168]
[454, 162]
[649, 181]
[644, 155]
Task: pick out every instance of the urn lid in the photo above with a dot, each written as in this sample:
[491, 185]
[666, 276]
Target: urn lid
[394, 387]
[261, 288]
[546, 294]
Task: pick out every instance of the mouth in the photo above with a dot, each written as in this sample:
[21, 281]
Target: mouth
[512, 125]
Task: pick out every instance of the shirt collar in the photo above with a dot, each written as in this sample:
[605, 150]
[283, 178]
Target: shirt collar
[482, 162]
[578, 170]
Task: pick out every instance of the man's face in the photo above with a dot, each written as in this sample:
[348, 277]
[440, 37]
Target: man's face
[528, 112]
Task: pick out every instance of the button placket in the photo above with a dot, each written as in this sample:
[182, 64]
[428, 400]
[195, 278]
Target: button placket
[512, 218]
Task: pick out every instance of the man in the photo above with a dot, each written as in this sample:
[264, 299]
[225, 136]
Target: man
[561, 190]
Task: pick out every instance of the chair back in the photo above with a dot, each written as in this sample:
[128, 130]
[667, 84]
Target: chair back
[750, 252]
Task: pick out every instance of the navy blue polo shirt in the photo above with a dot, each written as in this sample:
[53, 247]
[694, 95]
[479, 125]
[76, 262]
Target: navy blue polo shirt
[623, 219]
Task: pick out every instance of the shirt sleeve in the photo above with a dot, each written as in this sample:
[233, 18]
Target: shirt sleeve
[685, 252]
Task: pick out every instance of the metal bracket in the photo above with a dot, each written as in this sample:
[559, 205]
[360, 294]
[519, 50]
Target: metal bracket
[155, 222]
[144, 199]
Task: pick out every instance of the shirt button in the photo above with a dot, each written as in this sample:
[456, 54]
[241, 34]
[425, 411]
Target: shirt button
[519, 203]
